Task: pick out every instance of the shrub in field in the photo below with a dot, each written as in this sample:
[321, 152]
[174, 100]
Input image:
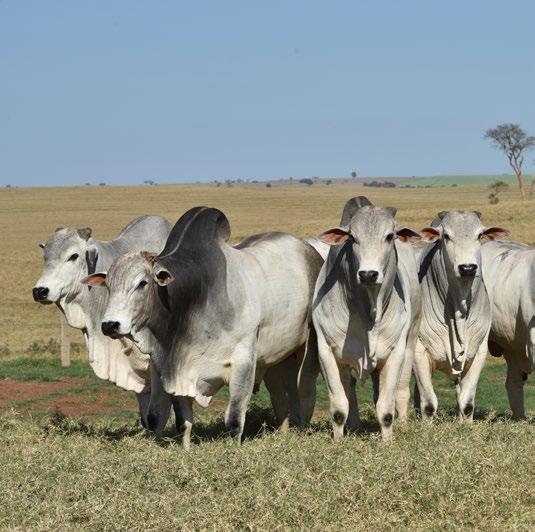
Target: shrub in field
[39, 347]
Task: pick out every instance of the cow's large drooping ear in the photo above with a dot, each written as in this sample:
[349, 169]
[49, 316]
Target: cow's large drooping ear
[162, 276]
[431, 234]
[495, 233]
[91, 257]
[95, 279]
[407, 235]
[85, 233]
[334, 236]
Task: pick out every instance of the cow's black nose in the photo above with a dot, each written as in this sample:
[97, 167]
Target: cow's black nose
[110, 327]
[467, 270]
[40, 293]
[368, 276]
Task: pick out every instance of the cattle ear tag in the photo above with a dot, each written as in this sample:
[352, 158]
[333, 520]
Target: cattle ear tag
[495, 233]
[407, 235]
[334, 236]
[95, 279]
[431, 234]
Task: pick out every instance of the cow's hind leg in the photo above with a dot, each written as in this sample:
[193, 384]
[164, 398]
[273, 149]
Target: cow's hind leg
[514, 384]
[274, 381]
[240, 390]
[308, 374]
[423, 374]
[183, 407]
[339, 405]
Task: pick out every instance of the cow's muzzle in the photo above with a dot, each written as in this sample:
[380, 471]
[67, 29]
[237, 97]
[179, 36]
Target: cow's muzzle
[467, 270]
[111, 328]
[40, 294]
[368, 277]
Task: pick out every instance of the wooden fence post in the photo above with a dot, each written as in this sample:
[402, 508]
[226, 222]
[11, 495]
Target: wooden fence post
[65, 344]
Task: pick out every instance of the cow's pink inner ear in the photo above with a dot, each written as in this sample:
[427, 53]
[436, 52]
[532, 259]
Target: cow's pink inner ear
[96, 279]
[334, 236]
[495, 233]
[407, 235]
[430, 234]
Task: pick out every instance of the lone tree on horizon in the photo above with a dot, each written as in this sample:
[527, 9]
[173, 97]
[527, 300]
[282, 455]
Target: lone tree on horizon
[514, 142]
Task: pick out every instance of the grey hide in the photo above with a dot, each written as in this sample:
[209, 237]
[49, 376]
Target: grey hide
[70, 255]
[212, 314]
[455, 309]
[366, 311]
[509, 273]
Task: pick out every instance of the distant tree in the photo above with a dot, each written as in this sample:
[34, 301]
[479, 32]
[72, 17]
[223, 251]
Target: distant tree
[328, 182]
[291, 178]
[102, 184]
[268, 185]
[149, 182]
[454, 184]
[8, 186]
[306, 181]
[514, 142]
[353, 175]
[88, 184]
[495, 189]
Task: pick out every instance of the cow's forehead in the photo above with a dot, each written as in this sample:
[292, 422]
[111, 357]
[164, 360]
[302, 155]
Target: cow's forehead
[126, 267]
[370, 217]
[461, 221]
[60, 241]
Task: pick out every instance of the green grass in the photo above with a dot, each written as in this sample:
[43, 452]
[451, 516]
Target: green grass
[463, 180]
[42, 369]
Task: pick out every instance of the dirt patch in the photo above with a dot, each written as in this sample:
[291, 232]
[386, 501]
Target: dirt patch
[13, 390]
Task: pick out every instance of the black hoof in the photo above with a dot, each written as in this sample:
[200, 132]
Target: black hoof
[468, 409]
[429, 409]
[233, 426]
[387, 420]
[152, 421]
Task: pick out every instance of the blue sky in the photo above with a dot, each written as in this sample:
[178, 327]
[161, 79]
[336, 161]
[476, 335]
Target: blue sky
[123, 91]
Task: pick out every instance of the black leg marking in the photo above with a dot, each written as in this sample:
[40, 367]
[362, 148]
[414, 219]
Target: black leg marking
[387, 419]
[468, 409]
[429, 409]
[338, 418]
[524, 377]
[233, 426]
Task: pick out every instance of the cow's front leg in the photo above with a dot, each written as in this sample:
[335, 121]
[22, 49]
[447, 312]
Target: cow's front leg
[339, 405]
[423, 373]
[468, 385]
[353, 422]
[514, 384]
[159, 407]
[403, 394]
[389, 375]
[183, 407]
[308, 374]
[274, 381]
[240, 389]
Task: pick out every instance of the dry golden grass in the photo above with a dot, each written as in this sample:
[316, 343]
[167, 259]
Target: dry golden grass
[29, 216]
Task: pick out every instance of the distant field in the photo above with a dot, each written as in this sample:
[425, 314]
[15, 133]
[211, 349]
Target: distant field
[89, 466]
[463, 180]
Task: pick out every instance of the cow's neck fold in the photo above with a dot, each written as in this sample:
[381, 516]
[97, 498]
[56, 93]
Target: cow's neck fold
[457, 297]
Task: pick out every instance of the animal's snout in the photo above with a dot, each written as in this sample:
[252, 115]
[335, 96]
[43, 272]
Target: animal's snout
[467, 270]
[110, 328]
[40, 293]
[368, 276]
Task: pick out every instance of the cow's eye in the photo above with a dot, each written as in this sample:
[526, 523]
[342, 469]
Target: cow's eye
[73, 257]
[142, 284]
[389, 237]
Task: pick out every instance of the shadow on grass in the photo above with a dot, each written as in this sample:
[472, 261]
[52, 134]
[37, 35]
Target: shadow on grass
[260, 421]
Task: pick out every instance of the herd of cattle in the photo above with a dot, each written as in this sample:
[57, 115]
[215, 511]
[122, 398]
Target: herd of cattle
[174, 313]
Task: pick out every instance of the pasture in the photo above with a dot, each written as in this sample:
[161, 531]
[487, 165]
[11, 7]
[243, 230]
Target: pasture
[89, 465]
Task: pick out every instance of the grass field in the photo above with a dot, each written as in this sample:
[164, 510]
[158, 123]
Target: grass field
[100, 471]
